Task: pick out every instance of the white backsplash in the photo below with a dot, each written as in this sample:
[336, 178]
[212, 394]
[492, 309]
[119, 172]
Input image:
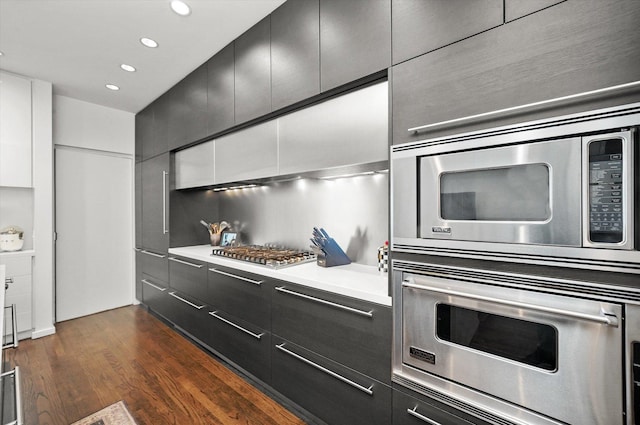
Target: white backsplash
[354, 211]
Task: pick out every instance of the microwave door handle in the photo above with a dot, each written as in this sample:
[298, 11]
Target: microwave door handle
[604, 317]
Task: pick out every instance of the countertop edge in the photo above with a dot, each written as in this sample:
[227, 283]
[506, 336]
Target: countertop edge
[367, 283]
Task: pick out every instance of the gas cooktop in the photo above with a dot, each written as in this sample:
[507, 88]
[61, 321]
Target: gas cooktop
[273, 257]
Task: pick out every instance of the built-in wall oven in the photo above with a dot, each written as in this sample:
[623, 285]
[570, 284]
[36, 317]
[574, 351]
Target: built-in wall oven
[518, 349]
[555, 191]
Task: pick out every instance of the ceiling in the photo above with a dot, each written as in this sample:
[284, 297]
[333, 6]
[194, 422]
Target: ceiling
[79, 45]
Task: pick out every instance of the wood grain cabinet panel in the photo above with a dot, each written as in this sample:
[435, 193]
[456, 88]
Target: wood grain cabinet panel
[155, 203]
[158, 142]
[334, 393]
[144, 133]
[573, 47]
[220, 90]
[351, 332]
[295, 52]
[188, 122]
[253, 72]
[514, 9]
[355, 40]
[420, 26]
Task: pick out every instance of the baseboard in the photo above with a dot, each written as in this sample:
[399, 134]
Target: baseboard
[43, 332]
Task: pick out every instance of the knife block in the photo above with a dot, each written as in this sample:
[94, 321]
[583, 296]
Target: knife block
[334, 256]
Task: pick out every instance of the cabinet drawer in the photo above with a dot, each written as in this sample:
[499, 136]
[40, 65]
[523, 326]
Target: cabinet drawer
[408, 410]
[154, 264]
[242, 343]
[352, 332]
[188, 276]
[155, 295]
[187, 314]
[334, 393]
[241, 294]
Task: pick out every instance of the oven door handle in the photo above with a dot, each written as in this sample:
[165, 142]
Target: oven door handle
[605, 318]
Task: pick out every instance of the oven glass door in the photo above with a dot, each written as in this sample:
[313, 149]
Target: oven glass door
[536, 350]
[527, 193]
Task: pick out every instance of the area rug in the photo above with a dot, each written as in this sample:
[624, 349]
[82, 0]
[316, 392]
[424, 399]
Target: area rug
[116, 414]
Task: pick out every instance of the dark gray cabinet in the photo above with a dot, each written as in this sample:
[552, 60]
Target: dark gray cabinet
[188, 276]
[159, 141]
[244, 295]
[352, 332]
[188, 122]
[239, 319]
[144, 133]
[334, 393]
[138, 283]
[253, 72]
[242, 343]
[154, 264]
[420, 26]
[138, 203]
[355, 40]
[155, 295]
[187, 313]
[155, 199]
[295, 52]
[421, 410]
[514, 9]
[555, 52]
[220, 90]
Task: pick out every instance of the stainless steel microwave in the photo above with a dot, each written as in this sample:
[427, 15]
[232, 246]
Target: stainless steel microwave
[561, 191]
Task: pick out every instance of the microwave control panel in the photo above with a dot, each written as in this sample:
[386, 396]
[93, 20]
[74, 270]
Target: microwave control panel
[606, 218]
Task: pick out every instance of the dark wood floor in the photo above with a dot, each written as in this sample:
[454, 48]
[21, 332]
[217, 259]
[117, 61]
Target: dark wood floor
[127, 354]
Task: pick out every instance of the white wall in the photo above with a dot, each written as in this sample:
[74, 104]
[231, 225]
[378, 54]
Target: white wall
[90, 126]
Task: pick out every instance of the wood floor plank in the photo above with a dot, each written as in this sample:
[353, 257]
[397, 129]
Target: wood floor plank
[127, 354]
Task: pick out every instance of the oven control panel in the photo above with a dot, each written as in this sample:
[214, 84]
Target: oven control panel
[606, 189]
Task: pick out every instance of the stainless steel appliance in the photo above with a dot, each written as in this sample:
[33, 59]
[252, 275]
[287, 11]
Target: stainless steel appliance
[274, 257]
[518, 349]
[559, 191]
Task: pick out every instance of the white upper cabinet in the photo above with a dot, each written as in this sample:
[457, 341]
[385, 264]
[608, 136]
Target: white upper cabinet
[15, 131]
[347, 130]
[247, 154]
[194, 166]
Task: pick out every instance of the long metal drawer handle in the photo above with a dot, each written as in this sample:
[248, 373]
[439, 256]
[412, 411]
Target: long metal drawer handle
[414, 412]
[153, 254]
[327, 371]
[18, 396]
[526, 106]
[605, 317]
[159, 288]
[8, 280]
[164, 203]
[199, 307]
[235, 276]
[229, 322]
[325, 302]
[197, 266]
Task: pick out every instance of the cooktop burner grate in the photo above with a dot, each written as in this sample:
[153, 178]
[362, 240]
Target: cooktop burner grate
[274, 257]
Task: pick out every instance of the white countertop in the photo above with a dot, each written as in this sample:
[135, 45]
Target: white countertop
[352, 280]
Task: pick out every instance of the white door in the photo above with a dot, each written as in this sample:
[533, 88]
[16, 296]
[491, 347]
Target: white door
[94, 226]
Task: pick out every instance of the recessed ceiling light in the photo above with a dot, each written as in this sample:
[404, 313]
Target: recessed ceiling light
[148, 42]
[127, 68]
[180, 7]
[112, 87]
[1, 53]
